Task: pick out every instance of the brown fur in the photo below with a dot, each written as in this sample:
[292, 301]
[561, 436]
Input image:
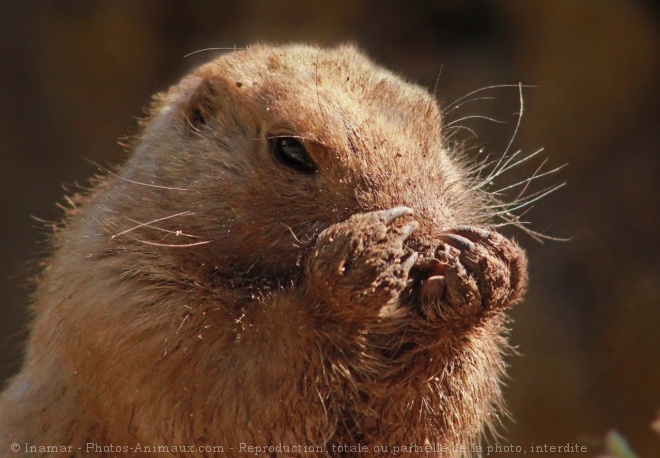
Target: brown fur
[209, 294]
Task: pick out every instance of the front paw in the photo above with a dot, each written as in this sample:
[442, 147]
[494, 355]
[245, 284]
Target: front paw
[361, 263]
[478, 270]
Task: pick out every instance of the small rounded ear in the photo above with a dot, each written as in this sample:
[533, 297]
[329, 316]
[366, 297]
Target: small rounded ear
[202, 104]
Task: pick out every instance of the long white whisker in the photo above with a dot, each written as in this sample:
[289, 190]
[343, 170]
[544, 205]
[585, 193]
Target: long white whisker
[506, 167]
[169, 188]
[169, 245]
[497, 86]
[151, 222]
[514, 203]
[496, 169]
[530, 179]
[476, 99]
[437, 80]
[539, 237]
[456, 129]
[520, 115]
[535, 176]
[475, 117]
[526, 202]
[212, 49]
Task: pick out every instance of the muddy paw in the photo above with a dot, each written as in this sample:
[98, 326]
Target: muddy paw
[362, 262]
[477, 270]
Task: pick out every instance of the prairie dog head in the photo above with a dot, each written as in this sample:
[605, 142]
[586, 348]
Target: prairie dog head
[264, 148]
[291, 253]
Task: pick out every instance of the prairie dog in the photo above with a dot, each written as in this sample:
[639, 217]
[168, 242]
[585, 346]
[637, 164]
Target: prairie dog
[291, 255]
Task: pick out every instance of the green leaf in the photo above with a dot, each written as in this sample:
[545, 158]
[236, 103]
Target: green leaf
[617, 446]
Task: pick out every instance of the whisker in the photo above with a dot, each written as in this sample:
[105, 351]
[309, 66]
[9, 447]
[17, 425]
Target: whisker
[213, 49]
[457, 106]
[504, 168]
[513, 206]
[456, 129]
[494, 173]
[295, 237]
[170, 245]
[538, 236]
[437, 80]
[476, 117]
[501, 168]
[151, 222]
[484, 172]
[496, 86]
[178, 232]
[171, 188]
[535, 176]
[515, 218]
[520, 115]
[515, 164]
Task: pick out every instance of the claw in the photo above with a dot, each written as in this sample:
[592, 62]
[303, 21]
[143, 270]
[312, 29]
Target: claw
[471, 231]
[458, 241]
[445, 258]
[408, 229]
[409, 261]
[387, 216]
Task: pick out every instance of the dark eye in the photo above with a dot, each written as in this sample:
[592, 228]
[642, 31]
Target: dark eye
[293, 154]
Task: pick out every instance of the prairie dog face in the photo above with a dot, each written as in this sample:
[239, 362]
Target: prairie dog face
[267, 147]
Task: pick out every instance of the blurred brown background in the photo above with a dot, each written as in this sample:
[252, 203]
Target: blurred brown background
[75, 74]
